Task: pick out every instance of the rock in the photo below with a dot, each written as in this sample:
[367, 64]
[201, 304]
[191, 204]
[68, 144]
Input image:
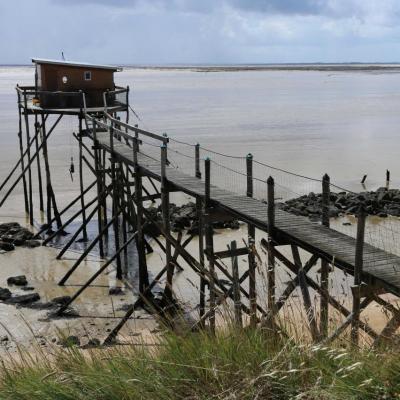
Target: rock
[6, 246]
[4, 339]
[61, 301]
[27, 288]
[70, 341]
[32, 243]
[94, 342]
[24, 299]
[19, 280]
[382, 215]
[5, 294]
[115, 291]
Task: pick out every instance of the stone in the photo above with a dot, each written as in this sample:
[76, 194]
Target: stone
[24, 299]
[6, 246]
[4, 339]
[32, 243]
[115, 291]
[19, 280]
[27, 288]
[61, 300]
[5, 294]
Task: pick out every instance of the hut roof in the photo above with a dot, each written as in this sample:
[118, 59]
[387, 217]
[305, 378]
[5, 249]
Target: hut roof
[75, 64]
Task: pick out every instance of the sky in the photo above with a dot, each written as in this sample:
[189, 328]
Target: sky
[200, 31]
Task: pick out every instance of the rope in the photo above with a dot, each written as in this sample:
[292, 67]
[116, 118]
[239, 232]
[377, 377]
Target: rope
[182, 142]
[223, 155]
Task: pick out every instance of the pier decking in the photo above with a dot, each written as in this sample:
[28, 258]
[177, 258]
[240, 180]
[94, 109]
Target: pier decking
[378, 265]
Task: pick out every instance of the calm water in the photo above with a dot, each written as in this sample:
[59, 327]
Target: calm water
[343, 123]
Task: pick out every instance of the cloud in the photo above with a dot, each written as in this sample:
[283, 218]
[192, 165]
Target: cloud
[207, 31]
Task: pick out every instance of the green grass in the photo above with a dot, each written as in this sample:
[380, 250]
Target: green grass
[232, 365]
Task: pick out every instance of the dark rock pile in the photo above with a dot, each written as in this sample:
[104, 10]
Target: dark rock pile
[183, 218]
[382, 202]
[13, 234]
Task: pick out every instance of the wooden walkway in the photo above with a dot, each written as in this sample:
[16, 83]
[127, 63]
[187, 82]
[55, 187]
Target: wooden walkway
[379, 266]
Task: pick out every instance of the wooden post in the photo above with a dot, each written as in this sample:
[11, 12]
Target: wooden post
[324, 303]
[166, 224]
[84, 232]
[21, 149]
[271, 256]
[358, 267]
[97, 168]
[209, 232]
[30, 189]
[197, 160]
[51, 200]
[115, 212]
[251, 233]
[200, 217]
[39, 169]
[236, 286]
[143, 273]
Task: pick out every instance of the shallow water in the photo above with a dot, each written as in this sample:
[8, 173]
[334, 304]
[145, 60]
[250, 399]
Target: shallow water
[308, 122]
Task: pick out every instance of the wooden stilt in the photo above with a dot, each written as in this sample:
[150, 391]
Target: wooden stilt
[209, 233]
[30, 188]
[251, 233]
[39, 170]
[271, 256]
[200, 218]
[358, 267]
[115, 201]
[140, 242]
[81, 184]
[324, 304]
[95, 275]
[51, 200]
[236, 287]
[168, 294]
[22, 154]
[25, 169]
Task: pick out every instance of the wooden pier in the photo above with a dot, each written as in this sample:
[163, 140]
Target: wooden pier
[131, 167]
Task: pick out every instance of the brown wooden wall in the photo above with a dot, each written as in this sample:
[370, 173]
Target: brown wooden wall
[51, 78]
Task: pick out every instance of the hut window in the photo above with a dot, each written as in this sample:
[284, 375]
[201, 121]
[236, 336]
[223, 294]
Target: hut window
[64, 79]
[88, 76]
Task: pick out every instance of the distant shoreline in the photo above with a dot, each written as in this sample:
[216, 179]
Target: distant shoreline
[394, 67]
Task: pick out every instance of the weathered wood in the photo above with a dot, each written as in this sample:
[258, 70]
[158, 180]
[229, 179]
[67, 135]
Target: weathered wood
[324, 305]
[306, 295]
[168, 293]
[22, 155]
[271, 232]
[81, 183]
[236, 286]
[358, 266]
[197, 172]
[209, 232]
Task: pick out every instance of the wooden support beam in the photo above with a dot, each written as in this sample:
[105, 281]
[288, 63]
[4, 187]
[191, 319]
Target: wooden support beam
[306, 295]
[236, 287]
[209, 233]
[22, 155]
[165, 208]
[81, 183]
[30, 188]
[39, 169]
[251, 233]
[324, 305]
[271, 232]
[243, 251]
[95, 275]
[358, 267]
